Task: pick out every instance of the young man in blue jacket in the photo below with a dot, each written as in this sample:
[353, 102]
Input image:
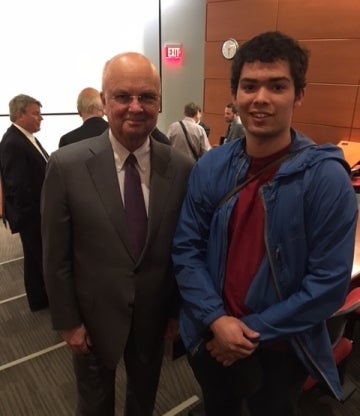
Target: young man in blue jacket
[262, 270]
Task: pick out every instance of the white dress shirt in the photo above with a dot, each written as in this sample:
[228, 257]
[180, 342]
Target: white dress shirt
[142, 155]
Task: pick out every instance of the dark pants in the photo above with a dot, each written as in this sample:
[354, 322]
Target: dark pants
[30, 236]
[96, 383]
[270, 383]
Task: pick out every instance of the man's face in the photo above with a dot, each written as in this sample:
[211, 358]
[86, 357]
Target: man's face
[266, 99]
[229, 115]
[197, 117]
[131, 118]
[31, 119]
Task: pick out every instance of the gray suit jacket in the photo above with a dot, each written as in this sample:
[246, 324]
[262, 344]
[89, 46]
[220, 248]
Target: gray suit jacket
[90, 274]
[236, 130]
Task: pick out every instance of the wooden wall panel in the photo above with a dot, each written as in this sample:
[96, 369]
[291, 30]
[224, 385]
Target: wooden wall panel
[319, 19]
[240, 19]
[327, 104]
[355, 135]
[217, 95]
[356, 122]
[334, 61]
[323, 134]
[216, 66]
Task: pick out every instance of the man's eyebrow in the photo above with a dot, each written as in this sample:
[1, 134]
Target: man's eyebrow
[273, 79]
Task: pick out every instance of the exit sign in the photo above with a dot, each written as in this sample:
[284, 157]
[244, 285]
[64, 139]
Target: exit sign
[173, 53]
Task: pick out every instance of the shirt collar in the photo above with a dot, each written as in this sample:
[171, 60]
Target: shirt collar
[142, 153]
[27, 133]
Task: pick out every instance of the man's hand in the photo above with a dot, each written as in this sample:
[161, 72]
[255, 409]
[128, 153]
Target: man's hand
[77, 339]
[232, 340]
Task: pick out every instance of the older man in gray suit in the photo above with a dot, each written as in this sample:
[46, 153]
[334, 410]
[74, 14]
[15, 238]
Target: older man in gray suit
[107, 299]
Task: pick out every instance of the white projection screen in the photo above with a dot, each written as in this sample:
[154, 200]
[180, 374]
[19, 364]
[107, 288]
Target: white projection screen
[52, 50]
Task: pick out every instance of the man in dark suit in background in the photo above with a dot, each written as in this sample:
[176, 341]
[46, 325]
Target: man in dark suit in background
[109, 301]
[23, 162]
[91, 110]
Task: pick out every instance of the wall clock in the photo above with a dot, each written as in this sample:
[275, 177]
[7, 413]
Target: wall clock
[229, 48]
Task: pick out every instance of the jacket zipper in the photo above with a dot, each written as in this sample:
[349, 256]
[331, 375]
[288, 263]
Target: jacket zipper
[278, 291]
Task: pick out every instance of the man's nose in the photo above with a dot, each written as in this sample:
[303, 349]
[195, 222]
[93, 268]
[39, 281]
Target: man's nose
[135, 102]
[261, 95]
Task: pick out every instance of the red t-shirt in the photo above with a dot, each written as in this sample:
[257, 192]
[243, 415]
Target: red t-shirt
[246, 237]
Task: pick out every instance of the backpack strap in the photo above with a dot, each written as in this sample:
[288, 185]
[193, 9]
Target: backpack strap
[195, 155]
[270, 165]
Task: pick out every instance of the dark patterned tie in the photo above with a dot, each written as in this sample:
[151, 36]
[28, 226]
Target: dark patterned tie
[134, 206]
[43, 151]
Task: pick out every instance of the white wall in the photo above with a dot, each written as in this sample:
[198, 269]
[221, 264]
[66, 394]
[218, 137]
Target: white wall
[125, 26]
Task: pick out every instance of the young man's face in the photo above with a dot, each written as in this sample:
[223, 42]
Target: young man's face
[266, 99]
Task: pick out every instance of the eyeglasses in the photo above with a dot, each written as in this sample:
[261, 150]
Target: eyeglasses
[144, 99]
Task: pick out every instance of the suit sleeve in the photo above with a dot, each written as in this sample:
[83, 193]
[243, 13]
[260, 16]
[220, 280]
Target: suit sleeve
[57, 249]
[16, 178]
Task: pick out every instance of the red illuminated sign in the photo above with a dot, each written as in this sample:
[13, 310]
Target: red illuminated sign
[173, 53]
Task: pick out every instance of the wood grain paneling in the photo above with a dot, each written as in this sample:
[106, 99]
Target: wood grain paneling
[217, 95]
[240, 19]
[334, 61]
[356, 122]
[319, 19]
[216, 65]
[328, 105]
[323, 134]
[355, 135]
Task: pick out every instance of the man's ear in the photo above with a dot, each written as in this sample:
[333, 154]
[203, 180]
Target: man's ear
[103, 100]
[299, 98]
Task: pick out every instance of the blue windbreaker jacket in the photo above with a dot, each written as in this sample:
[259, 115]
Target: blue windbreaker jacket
[310, 223]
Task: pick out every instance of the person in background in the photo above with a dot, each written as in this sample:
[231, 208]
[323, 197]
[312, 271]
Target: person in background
[203, 125]
[261, 270]
[90, 109]
[112, 295]
[22, 168]
[187, 136]
[235, 128]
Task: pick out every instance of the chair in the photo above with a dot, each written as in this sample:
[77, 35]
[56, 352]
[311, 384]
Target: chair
[341, 339]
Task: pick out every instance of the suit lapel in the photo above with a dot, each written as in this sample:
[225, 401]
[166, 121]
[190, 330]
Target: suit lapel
[45, 153]
[160, 187]
[30, 147]
[101, 166]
